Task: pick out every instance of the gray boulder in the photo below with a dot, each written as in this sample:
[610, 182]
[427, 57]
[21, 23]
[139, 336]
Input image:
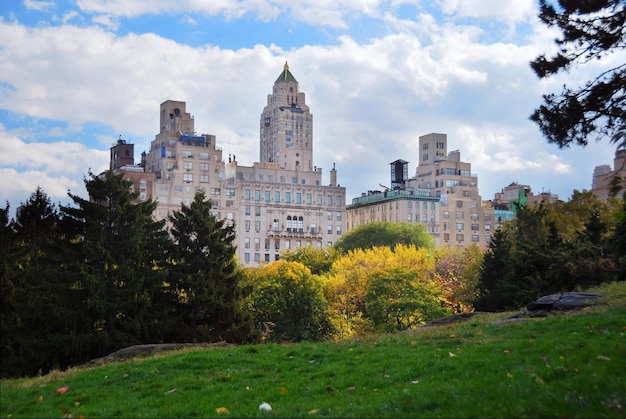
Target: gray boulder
[565, 301]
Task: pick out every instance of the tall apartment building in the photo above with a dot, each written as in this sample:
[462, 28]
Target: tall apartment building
[281, 200]
[603, 176]
[464, 218]
[443, 196]
[277, 203]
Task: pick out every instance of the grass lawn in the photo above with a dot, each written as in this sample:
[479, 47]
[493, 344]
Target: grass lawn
[567, 365]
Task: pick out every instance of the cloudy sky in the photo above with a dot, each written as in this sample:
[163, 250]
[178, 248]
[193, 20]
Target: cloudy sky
[75, 75]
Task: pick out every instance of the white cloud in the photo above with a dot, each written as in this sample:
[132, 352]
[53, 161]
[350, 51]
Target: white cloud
[56, 167]
[40, 6]
[370, 100]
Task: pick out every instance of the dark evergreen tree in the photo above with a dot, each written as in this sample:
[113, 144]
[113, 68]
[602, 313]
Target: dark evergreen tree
[116, 254]
[205, 276]
[496, 289]
[590, 30]
[8, 268]
[41, 305]
[617, 242]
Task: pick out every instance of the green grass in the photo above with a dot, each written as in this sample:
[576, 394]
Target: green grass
[568, 365]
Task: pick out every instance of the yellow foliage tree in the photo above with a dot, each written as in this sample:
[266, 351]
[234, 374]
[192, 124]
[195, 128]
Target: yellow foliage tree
[349, 285]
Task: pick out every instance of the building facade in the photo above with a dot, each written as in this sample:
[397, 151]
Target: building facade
[278, 203]
[443, 196]
[603, 176]
[402, 202]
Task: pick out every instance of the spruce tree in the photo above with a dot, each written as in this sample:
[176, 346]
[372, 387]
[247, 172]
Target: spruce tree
[206, 277]
[116, 252]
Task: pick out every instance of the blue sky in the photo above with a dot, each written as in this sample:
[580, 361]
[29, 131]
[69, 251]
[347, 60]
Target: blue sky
[377, 74]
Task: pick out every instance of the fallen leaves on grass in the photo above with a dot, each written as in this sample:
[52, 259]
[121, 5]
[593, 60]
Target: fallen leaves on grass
[62, 390]
[222, 411]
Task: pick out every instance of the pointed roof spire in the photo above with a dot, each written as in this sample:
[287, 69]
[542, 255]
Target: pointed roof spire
[286, 74]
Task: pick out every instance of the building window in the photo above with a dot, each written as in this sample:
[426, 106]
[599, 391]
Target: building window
[277, 196]
[446, 214]
[474, 227]
[298, 198]
[309, 198]
[339, 230]
[487, 217]
[475, 238]
[459, 204]
[257, 226]
[215, 191]
[329, 200]
[247, 224]
[203, 156]
[467, 194]
[474, 216]
[338, 215]
[257, 211]
[459, 238]
[187, 165]
[187, 154]
[187, 177]
[446, 226]
[246, 257]
[459, 226]
[267, 196]
[246, 194]
[257, 195]
[459, 215]
[329, 215]
[204, 178]
[288, 197]
[257, 243]
[230, 215]
[319, 199]
[276, 225]
[230, 192]
[329, 229]
[246, 242]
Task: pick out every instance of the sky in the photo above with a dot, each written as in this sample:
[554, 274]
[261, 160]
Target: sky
[77, 75]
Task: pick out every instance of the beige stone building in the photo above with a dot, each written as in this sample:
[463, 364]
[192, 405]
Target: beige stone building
[278, 203]
[603, 175]
[402, 202]
[443, 196]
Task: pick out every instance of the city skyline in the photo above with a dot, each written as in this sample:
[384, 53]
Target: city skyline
[75, 76]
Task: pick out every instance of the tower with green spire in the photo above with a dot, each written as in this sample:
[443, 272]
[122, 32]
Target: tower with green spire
[286, 126]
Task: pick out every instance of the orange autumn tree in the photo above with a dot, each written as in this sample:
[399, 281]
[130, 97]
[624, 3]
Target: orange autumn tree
[379, 289]
[457, 271]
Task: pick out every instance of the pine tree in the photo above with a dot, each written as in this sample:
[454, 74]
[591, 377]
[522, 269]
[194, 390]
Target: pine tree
[206, 277]
[590, 30]
[116, 252]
